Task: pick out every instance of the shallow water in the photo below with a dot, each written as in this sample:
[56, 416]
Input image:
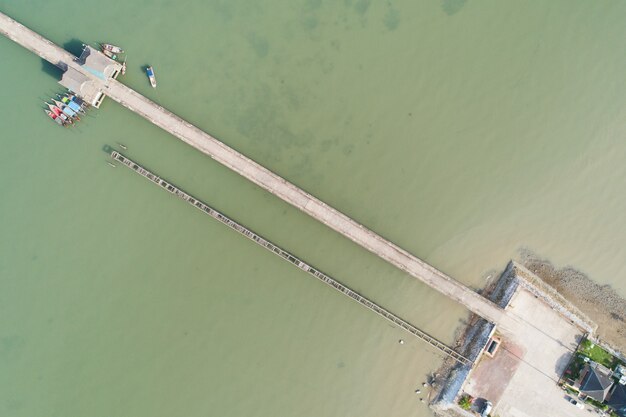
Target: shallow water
[462, 131]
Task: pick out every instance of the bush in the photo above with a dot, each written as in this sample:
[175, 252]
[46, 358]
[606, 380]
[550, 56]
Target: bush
[576, 365]
[597, 404]
[465, 402]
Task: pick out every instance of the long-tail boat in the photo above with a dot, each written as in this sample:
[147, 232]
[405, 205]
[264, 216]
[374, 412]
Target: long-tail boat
[109, 54]
[79, 101]
[59, 113]
[66, 109]
[71, 104]
[111, 48]
[55, 118]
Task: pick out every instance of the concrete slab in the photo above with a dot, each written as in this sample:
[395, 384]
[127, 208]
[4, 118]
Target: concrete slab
[492, 376]
[521, 380]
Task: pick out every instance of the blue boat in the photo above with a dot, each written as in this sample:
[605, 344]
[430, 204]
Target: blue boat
[69, 112]
[72, 105]
[151, 76]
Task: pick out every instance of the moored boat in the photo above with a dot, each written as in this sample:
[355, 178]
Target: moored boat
[109, 54]
[59, 113]
[78, 101]
[55, 118]
[150, 73]
[66, 109]
[59, 104]
[54, 109]
[72, 104]
[111, 48]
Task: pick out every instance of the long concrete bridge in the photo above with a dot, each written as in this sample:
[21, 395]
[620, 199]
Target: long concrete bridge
[263, 177]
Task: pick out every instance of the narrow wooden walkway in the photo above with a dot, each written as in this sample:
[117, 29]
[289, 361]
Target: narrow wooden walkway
[289, 257]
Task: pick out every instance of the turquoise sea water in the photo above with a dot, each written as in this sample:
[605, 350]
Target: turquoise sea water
[461, 130]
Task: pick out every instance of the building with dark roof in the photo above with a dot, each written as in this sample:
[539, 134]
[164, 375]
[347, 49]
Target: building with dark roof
[595, 381]
[617, 399]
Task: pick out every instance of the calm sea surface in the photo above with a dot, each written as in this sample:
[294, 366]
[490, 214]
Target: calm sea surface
[462, 130]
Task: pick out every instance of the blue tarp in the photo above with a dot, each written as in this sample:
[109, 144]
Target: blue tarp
[73, 106]
[69, 111]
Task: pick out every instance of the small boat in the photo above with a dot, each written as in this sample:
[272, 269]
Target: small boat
[72, 105]
[69, 103]
[121, 145]
[55, 118]
[78, 100]
[58, 113]
[124, 67]
[54, 109]
[150, 72]
[109, 54]
[112, 164]
[59, 104]
[111, 48]
[66, 109]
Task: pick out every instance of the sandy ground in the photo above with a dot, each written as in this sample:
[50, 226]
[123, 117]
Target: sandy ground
[600, 302]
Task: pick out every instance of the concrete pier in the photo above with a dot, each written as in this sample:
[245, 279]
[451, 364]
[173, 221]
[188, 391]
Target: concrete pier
[264, 178]
[275, 249]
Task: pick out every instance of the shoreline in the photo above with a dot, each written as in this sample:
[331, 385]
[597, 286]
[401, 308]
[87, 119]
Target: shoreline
[471, 338]
[596, 310]
[601, 303]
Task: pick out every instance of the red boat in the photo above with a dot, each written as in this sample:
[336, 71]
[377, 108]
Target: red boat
[56, 118]
[59, 113]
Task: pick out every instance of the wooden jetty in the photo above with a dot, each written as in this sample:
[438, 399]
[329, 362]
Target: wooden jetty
[263, 177]
[331, 282]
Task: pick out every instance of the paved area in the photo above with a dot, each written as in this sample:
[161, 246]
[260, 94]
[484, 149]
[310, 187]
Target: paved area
[491, 378]
[521, 380]
[261, 176]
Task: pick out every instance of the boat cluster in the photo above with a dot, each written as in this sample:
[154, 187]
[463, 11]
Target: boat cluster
[113, 52]
[67, 110]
